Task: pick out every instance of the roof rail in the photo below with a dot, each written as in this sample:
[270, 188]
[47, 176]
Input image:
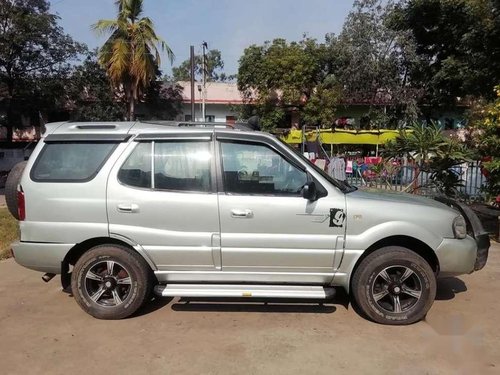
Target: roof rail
[96, 126]
[204, 124]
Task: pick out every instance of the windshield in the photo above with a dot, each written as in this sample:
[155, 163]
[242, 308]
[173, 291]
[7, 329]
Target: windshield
[342, 185]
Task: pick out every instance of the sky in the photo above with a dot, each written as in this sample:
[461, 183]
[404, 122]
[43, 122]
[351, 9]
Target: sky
[227, 25]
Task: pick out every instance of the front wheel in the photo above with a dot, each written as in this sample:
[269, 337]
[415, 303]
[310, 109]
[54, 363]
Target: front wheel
[394, 285]
[110, 282]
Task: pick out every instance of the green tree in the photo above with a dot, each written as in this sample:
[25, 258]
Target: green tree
[89, 95]
[484, 138]
[162, 100]
[214, 68]
[33, 51]
[280, 77]
[420, 143]
[321, 107]
[131, 56]
[432, 152]
[458, 44]
[373, 62]
[367, 63]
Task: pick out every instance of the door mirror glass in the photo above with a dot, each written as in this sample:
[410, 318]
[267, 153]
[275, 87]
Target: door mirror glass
[309, 191]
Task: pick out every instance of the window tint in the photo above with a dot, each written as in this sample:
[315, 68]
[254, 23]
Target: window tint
[70, 161]
[136, 171]
[256, 169]
[183, 166]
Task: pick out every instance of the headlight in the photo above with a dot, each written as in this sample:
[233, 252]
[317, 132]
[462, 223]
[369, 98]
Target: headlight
[460, 227]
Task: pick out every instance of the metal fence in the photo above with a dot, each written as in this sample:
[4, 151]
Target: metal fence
[402, 179]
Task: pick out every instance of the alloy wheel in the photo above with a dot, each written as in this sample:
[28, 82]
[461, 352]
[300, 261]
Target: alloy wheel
[108, 283]
[396, 289]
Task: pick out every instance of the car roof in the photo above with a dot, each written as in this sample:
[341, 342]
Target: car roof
[137, 127]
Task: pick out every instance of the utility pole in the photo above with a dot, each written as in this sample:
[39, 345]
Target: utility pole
[204, 81]
[192, 83]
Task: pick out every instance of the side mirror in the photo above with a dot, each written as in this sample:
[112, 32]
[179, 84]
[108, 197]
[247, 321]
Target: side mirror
[309, 191]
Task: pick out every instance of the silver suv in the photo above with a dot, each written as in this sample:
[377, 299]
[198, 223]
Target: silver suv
[124, 209]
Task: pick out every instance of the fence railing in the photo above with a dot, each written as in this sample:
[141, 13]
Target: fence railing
[403, 179]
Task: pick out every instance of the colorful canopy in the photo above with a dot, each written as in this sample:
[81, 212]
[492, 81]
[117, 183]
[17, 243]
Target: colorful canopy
[341, 136]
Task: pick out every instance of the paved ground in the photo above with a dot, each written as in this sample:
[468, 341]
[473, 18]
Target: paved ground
[43, 331]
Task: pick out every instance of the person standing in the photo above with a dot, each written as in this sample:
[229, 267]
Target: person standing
[336, 168]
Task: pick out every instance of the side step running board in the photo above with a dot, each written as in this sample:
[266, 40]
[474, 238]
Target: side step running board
[237, 291]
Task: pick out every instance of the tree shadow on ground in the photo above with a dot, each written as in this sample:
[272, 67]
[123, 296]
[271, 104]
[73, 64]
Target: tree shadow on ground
[448, 287]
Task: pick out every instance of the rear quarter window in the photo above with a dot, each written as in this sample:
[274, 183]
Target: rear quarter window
[71, 161]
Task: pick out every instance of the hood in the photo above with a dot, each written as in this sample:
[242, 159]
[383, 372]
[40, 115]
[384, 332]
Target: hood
[397, 197]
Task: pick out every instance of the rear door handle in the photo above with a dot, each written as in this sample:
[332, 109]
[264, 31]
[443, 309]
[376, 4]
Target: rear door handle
[128, 208]
[237, 213]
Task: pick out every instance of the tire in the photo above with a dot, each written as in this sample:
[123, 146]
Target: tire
[11, 187]
[394, 286]
[110, 282]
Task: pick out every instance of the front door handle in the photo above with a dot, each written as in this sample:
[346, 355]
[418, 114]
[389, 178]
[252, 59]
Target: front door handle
[128, 208]
[237, 213]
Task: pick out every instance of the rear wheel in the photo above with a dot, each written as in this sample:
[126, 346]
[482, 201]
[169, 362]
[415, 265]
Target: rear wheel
[110, 282]
[394, 286]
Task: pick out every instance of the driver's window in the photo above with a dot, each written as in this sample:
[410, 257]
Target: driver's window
[256, 169]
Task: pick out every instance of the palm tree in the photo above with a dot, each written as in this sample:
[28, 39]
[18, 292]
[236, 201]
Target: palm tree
[131, 54]
[433, 153]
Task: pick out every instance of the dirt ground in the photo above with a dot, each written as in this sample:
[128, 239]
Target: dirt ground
[2, 197]
[43, 331]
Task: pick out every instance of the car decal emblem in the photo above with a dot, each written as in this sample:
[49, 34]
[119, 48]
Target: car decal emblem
[337, 217]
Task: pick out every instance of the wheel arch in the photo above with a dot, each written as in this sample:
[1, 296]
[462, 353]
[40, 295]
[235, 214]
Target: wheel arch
[417, 246]
[81, 248]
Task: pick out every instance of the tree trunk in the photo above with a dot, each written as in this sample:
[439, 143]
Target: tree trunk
[131, 109]
[10, 111]
[131, 98]
[10, 122]
[414, 183]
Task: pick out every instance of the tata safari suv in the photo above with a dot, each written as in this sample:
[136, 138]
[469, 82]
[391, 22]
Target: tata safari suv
[124, 209]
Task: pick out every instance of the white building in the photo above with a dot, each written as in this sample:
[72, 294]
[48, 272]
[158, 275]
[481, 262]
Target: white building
[220, 102]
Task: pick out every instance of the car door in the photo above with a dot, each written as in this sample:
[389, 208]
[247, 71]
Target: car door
[269, 232]
[161, 196]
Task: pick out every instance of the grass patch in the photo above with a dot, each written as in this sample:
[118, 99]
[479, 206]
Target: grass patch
[9, 232]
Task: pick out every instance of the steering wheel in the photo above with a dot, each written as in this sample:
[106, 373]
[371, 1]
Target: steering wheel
[242, 172]
[291, 182]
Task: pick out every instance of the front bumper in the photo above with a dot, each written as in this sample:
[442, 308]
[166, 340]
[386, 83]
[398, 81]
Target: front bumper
[483, 246]
[475, 230]
[456, 257]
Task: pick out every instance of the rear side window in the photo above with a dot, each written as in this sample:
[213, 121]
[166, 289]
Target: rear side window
[71, 161]
[182, 166]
